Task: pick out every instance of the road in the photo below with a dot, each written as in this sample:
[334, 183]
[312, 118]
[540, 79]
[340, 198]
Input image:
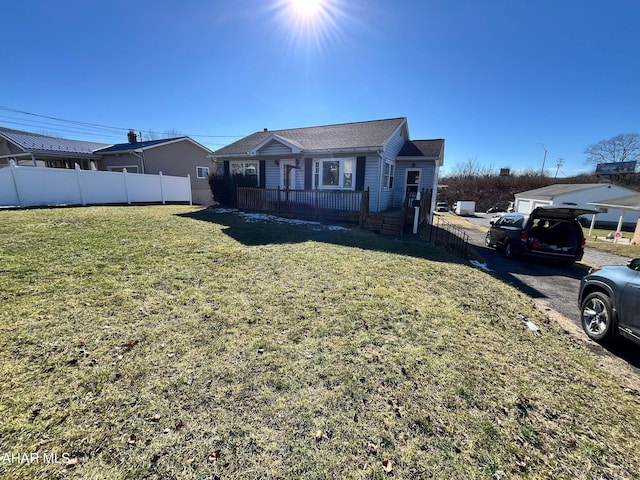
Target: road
[554, 284]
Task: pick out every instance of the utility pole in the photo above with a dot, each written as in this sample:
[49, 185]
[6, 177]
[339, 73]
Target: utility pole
[559, 164]
[544, 159]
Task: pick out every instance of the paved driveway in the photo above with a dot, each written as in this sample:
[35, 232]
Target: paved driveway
[556, 285]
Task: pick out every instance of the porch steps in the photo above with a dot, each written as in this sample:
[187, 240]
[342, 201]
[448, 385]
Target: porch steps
[386, 225]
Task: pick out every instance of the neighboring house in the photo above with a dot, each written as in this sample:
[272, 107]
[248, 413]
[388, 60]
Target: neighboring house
[35, 150]
[577, 195]
[180, 156]
[376, 155]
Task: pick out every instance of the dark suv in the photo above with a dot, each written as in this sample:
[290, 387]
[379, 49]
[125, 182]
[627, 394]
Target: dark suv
[547, 232]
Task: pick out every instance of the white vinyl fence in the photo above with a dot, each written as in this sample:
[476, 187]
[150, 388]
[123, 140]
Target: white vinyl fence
[32, 186]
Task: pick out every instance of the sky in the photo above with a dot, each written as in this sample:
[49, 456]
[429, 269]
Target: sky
[502, 81]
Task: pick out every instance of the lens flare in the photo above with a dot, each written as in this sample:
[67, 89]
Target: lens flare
[307, 8]
[309, 24]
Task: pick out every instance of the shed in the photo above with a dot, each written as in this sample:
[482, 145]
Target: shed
[626, 204]
[577, 195]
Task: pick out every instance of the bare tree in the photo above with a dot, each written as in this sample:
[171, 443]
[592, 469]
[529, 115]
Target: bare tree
[173, 133]
[621, 148]
[472, 168]
[150, 135]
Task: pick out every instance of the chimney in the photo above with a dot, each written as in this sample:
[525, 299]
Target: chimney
[133, 138]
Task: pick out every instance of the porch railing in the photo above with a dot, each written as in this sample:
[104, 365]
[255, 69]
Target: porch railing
[344, 205]
[449, 236]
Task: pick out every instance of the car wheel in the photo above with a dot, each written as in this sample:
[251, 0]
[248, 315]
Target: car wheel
[508, 251]
[597, 316]
[487, 240]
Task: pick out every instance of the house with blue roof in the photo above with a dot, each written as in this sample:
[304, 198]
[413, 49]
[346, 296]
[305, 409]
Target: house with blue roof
[180, 156]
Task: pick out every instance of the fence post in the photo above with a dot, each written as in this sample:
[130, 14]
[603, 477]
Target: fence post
[189, 187]
[161, 189]
[77, 168]
[126, 189]
[12, 166]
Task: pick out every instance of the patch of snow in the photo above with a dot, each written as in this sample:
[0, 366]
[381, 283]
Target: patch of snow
[532, 326]
[265, 217]
[483, 266]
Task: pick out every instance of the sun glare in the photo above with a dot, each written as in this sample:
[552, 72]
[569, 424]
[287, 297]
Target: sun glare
[311, 24]
[307, 8]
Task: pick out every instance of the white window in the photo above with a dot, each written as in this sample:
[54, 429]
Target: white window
[202, 172]
[388, 175]
[246, 169]
[334, 173]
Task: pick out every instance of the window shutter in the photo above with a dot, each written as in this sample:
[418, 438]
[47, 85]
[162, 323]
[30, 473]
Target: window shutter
[225, 164]
[360, 167]
[263, 174]
[308, 172]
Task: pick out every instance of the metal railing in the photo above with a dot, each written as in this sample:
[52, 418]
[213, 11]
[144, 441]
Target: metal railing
[445, 234]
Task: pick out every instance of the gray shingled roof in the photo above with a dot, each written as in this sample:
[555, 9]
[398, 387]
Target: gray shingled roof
[422, 148]
[357, 135]
[551, 191]
[36, 143]
[628, 202]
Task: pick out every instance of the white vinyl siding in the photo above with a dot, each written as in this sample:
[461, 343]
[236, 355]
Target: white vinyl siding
[272, 174]
[389, 154]
[427, 177]
[275, 148]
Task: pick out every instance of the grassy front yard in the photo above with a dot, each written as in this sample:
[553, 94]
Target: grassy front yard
[168, 342]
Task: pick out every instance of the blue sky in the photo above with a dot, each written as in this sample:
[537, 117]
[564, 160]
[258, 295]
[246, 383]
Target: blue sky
[498, 79]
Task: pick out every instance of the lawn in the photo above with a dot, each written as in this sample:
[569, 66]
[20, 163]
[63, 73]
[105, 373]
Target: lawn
[173, 342]
[623, 248]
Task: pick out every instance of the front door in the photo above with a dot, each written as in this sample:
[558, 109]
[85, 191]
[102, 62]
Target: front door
[411, 184]
[288, 174]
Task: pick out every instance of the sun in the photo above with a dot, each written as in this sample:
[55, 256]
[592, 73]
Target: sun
[307, 8]
[310, 25]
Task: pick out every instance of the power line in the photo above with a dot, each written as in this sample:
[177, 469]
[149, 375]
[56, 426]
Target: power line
[95, 127]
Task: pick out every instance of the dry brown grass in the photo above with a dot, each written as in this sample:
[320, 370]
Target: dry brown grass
[163, 342]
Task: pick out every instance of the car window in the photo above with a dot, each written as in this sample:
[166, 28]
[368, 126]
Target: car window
[515, 222]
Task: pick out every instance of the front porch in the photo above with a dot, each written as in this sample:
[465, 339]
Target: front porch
[333, 205]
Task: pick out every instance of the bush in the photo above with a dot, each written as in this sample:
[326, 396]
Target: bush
[224, 187]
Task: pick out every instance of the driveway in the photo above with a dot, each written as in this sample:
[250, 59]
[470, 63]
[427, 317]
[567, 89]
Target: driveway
[556, 286]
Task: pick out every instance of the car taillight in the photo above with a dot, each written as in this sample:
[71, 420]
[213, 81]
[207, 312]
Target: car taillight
[584, 241]
[524, 235]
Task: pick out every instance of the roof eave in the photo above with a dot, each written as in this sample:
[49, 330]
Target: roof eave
[301, 153]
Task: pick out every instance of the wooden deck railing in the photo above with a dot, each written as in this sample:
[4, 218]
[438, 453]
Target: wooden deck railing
[322, 204]
[341, 205]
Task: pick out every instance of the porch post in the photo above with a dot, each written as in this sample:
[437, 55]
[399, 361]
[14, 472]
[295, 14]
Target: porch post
[593, 222]
[619, 229]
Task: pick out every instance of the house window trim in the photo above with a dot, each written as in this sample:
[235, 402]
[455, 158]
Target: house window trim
[244, 168]
[198, 168]
[318, 171]
[389, 175]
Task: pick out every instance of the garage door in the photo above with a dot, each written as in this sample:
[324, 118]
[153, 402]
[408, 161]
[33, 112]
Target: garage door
[523, 206]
